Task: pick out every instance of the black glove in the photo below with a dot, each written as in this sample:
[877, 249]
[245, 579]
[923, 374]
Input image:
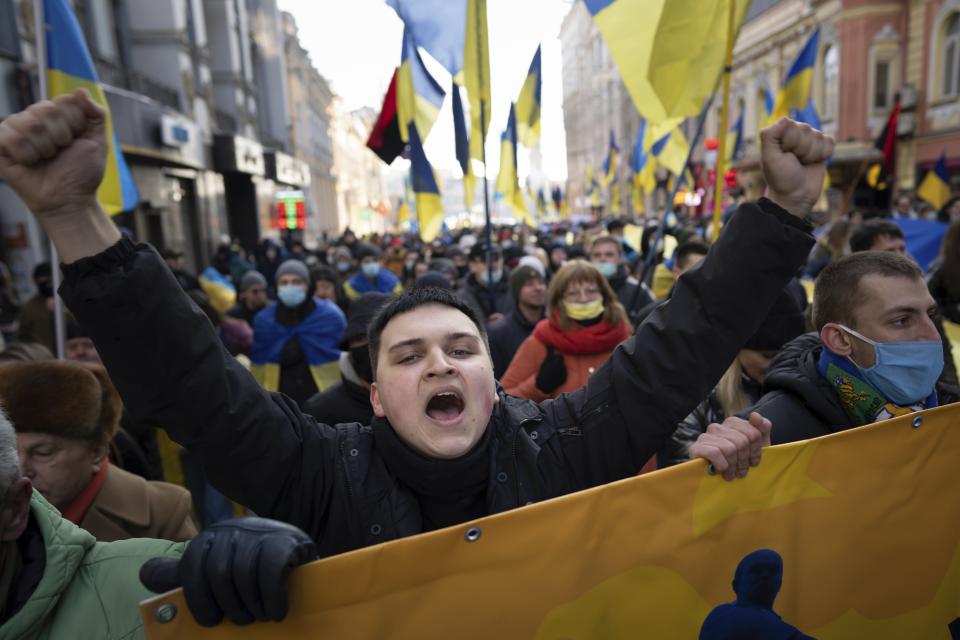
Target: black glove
[236, 568]
[553, 372]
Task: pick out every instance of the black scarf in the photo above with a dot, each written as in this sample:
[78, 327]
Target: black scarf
[449, 491]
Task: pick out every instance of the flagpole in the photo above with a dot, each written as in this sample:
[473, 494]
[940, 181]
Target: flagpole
[488, 229]
[40, 43]
[676, 187]
[724, 110]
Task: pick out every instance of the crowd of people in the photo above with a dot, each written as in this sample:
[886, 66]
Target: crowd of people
[365, 389]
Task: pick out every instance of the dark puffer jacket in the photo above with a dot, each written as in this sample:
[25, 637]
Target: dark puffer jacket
[800, 403]
[346, 401]
[260, 450]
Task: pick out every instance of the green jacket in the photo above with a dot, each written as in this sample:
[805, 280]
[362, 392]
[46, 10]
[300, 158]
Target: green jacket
[89, 589]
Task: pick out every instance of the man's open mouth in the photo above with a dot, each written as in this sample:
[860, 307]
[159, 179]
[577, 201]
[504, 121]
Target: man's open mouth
[445, 406]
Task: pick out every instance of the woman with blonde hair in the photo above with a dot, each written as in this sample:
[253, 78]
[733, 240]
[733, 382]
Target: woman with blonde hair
[585, 322]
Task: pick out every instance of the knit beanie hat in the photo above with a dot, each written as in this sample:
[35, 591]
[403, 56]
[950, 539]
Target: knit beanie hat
[783, 323]
[433, 279]
[361, 313]
[520, 277]
[68, 399]
[251, 278]
[368, 250]
[293, 267]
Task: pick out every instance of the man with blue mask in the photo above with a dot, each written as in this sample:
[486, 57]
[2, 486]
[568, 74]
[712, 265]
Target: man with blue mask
[296, 341]
[371, 278]
[877, 354]
[606, 255]
[491, 299]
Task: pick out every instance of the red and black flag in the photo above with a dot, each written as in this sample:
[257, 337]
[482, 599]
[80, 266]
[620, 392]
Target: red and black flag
[886, 142]
[385, 139]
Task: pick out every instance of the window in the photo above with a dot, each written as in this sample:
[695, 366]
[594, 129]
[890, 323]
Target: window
[951, 57]
[831, 74]
[881, 85]
[103, 31]
[9, 38]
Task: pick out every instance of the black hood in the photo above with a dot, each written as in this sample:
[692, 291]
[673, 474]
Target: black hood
[794, 370]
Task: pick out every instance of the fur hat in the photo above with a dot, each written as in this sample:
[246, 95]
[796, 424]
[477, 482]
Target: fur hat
[68, 399]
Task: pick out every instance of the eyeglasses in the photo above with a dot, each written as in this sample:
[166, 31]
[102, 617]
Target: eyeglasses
[581, 292]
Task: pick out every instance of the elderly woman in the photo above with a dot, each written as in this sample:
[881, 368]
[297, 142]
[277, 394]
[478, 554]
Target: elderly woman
[65, 414]
[585, 322]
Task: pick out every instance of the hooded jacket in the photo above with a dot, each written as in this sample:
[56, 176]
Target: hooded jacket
[88, 589]
[334, 482]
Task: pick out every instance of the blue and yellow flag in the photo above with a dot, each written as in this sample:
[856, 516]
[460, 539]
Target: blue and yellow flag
[437, 26]
[808, 115]
[476, 74]
[462, 143]
[610, 162]
[425, 189]
[670, 149]
[70, 67]
[419, 96]
[851, 536]
[508, 182]
[593, 188]
[935, 187]
[528, 105]
[796, 90]
[669, 52]
[643, 166]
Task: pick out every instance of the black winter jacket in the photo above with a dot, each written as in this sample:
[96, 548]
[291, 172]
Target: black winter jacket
[505, 338]
[633, 297]
[799, 402]
[346, 401]
[478, 296]
[260, 450]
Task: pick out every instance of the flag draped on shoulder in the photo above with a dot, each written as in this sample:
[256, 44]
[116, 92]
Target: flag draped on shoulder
[476, 74]
[425, 189]
[794, 95]
[508, 182]
[419, 96]
[528, 105]
[669, 52]
[935, 187]
[385, 139]
[70, 67]
[463, 147]
[610, 162]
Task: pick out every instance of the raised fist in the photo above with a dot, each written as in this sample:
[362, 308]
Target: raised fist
[53, 154]
[793, 157]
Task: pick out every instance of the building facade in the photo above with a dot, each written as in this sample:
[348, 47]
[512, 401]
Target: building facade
[362, 196]
[311, 110]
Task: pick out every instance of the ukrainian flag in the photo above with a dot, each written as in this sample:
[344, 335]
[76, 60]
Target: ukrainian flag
[670, 149]
[795, 93]
[610, 163]
[70, 67]
[528, 105]
[642, 165]
[419, 96]
[508, 182]
[476, 74]
[463, 147]
[733, 150]
[808, 115]
[437, 26]
[669, 52]
[427, 193]
[593, 189]
[218, 288]
[935, 187]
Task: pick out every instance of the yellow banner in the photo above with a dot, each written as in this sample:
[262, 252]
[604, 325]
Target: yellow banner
[866, 524]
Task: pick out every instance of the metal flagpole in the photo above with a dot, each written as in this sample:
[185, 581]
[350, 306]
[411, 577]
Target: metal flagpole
[40, 40]
[722, 151]
[488, 230]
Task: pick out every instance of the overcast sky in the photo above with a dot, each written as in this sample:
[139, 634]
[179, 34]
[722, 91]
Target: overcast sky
[356, 45]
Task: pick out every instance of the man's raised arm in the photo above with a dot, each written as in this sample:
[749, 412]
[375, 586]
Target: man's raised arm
[160, 350]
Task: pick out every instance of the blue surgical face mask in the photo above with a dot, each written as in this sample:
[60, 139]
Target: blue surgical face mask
[608, 269]
[371, 269]
[483, 277]
[291, 295]
[903, 372]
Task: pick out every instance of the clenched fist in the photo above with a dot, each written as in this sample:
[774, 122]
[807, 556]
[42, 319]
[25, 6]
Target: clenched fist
[793, 157]
[53, 154]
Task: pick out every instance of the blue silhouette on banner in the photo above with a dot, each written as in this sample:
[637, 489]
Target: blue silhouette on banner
[756, 582]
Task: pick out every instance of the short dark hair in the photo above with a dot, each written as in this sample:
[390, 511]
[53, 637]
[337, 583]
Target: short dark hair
[607, 240]
[417, 297]
[615, 225]
[837, 293]
[692, 247]
[866, 234]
